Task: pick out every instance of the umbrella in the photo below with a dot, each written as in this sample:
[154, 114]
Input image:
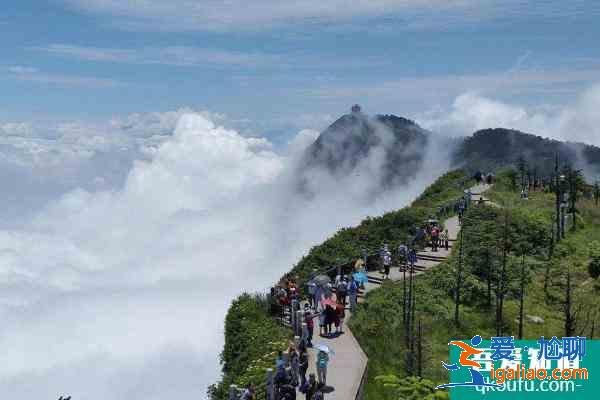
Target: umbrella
[321, 280]
[325, 348]
[360, 277]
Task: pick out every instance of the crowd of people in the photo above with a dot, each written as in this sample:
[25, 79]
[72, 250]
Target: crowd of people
[327, 303]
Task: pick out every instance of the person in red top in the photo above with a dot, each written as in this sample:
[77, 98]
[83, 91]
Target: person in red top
[310, 326]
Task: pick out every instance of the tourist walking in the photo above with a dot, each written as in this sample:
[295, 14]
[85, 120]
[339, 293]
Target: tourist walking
[412, 258]
[310, 326]
[387, 261]
[329, 319]
[352, 294]
[294, 365]
[303, 366]
[321, 320]
[445, 239]
[402, 255]
[322, 361]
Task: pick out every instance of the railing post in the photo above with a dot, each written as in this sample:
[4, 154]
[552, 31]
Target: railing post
[270, 388]
[233, 392]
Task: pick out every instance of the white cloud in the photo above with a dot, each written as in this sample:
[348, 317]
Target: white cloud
[183, 56]
[234, 15]
[438, 89]
[127, 287]
[31, 74]
[578, 121]
[238, 14]
[16, 129]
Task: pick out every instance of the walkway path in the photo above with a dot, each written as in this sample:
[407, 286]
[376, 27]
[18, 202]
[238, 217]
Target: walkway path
[348, 366]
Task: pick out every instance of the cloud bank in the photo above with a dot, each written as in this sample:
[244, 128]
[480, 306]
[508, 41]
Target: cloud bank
[119, 290]
[575, 122]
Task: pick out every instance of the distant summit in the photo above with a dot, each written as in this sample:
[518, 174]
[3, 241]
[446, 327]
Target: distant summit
[489, 149]
[393, 150]
[399, 143]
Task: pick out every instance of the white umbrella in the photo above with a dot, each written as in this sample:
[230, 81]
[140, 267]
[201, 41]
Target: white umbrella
[325, 348]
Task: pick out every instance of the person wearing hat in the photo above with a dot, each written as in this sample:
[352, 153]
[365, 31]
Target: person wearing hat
[310, 324]
[322, 361]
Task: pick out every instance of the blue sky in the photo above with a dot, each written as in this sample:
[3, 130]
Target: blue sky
[275, 63]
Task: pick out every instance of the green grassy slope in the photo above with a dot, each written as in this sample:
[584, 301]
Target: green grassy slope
[378, 324]
[252, 337]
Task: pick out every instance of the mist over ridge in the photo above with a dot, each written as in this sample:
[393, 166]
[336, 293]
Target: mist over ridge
[142, 271]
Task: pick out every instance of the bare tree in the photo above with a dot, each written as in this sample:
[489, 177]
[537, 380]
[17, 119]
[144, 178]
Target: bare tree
[459, 268]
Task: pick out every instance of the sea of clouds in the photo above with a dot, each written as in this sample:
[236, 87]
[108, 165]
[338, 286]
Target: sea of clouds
[122, 243]
[125, 243]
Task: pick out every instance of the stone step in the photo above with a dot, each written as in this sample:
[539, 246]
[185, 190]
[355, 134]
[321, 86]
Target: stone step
[430, 257]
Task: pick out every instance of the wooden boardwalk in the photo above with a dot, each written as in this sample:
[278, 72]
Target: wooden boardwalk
[348, 366]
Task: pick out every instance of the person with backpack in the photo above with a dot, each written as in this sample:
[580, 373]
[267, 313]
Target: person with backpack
[322, 361]
[352, 294]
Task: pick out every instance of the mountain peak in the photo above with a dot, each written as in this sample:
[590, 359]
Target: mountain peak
[352, 137]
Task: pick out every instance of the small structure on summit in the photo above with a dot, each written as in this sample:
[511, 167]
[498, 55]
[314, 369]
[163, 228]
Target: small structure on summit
[356, 109]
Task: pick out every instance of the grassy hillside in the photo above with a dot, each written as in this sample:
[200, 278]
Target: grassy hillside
[252, 338]
[491, 149]
[523, 229]
[392, 227]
